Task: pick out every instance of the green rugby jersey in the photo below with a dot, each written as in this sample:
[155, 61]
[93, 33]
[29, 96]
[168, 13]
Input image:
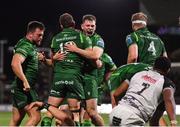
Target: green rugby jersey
[30, 66]
[107, 66]
[125, 72]
[149, 45]
[89, 68]
[73, 62]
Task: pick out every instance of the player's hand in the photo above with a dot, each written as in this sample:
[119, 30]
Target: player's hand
[35, 104]
[72, 47]
[26, 86]
[99, 63]
[41, 56]
[59, 56]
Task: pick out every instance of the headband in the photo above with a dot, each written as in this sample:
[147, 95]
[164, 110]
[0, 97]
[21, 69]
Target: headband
[139, 21]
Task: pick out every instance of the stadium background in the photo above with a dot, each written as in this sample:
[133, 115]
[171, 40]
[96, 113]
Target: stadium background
[113, 23]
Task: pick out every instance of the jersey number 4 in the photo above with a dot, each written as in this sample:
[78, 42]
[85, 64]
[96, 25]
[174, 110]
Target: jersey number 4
[152, 48]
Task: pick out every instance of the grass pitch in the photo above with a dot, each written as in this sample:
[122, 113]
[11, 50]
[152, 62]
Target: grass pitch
[6, 116]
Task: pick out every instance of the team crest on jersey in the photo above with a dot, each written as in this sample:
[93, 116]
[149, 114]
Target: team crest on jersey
[100, 43]
[129, 40]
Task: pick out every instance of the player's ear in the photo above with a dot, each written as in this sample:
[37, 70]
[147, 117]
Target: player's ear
[30, 34]
[82, 26]
[61, 26]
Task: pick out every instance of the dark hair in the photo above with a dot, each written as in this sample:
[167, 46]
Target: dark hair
[88, 17]
[66, 20]
[163, 64]
[33, 25]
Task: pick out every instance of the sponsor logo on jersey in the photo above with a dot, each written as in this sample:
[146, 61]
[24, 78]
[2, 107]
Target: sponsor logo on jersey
[67, 38]
[64, 82]
[149, 79]
[129, 40]
[54, 92]
[149, 37]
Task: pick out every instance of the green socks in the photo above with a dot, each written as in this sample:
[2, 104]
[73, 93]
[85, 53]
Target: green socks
[46, 121]
[87, 123]
[77, 124]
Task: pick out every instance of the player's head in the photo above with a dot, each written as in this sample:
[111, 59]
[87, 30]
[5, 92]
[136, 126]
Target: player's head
[35, 31]
[162, 64]
[139, 20]
[66, 20]
[88, 24]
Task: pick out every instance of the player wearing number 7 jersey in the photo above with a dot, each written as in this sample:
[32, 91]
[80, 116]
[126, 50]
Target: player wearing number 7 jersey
[143, 46]
[145, 91]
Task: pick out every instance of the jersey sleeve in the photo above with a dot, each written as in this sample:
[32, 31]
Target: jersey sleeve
[86, 40]
[53, 43]
[117, 77]
[168, 83]
[131, 39]
[22, 49]
[100, 42]
[109, 64]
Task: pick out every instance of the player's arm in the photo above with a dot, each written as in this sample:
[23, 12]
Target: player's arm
[60, 115]
[16, 65]
[55, 56]
[132, 48]
[118, 92]
[88, 53]
[168, 96]
[98, 63]
[132, 53]
[108, 73]
[110, 67]
[157, 118]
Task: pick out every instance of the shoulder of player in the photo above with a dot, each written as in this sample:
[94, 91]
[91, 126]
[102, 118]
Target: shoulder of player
[24, 43]
[157, 37]
[97, 36]
[105, 57]
[56, 35]
[132, 36]
[168, 81]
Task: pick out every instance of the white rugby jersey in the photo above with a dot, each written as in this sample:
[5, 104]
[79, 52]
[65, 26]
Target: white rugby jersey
[145, 92]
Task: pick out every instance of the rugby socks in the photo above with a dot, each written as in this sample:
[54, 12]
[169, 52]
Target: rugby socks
[77, 124]
[87, 123]
[46, 121]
